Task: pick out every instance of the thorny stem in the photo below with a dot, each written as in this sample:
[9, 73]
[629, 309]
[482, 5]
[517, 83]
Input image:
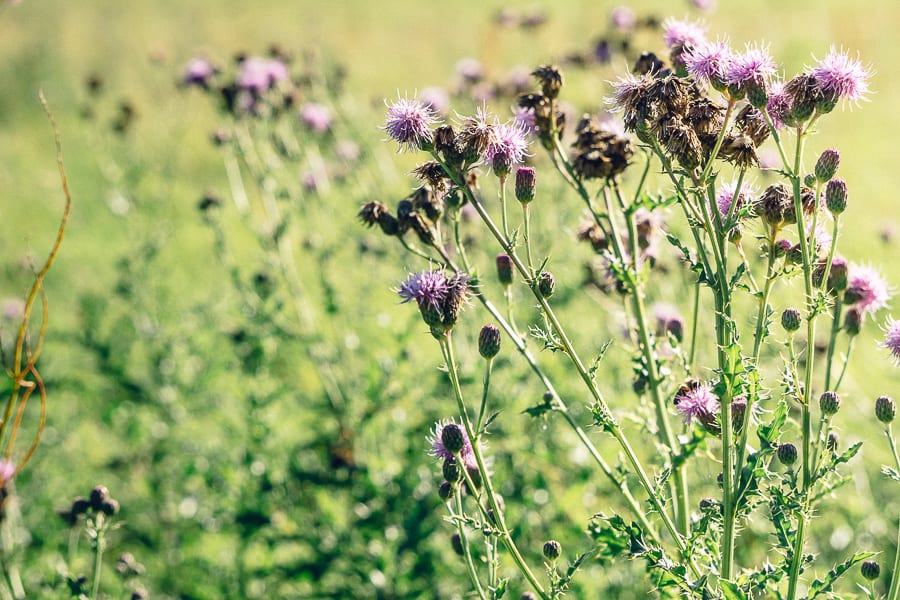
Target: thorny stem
[560, 407]
[467, 550]
[679, 481]
[797, 556]
[447, 347]
[894, 592]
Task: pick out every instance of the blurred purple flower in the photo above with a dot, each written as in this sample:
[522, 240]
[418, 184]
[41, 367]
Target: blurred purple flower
[623, 18]
[470, 70]
[867, 290]
[13, 309]
[198, 72]
[892, 339]
[315, 117]
[726, 197]
[842, 77]
[436, 99]
[7, 470]
[677, 32]
[525, 120]
[260, 74]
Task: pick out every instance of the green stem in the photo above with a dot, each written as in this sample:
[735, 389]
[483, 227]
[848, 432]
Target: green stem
[527, 218]
[693, 353]
[832, 340]
[467, 549]
[840, 378]
[447, 347]
[503, 207]
[99, 547]
[488, 364]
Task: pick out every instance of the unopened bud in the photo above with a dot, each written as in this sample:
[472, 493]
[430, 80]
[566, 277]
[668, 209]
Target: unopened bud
[445, 491]
[546, 284]
[489, 341]
[790, 319]
[853, 321]
[552, 549]
[456, 543]
[836, 196]
[526, 184]
[870, 569]
[884, 409]
[829, 402]
[809, 180]
[831, 443]
[787, 454]
[504, 269]
[453, 438]
[451, 470]
[827, 165]
[98, 495]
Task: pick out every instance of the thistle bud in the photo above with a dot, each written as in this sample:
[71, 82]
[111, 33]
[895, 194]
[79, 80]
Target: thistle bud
[527, 596]
[809, 180]
[738, 414]
[451, 470]
[787, 454]
[836, 196]
[829, 403]
[109, 507]
[445, 491]
[853, 321]
[546, 284]
[870, 570]
[757, 94]
[504, 269]
[456, 544]
[475, 476]
[776, 206]
[831, 444]
[552, 549]
[782, 247]
[790, 319]
[489, 341]
[453, 438]
[884, 409]
[827, 165]
[525, 184]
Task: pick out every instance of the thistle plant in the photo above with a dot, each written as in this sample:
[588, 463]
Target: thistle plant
[727, 391]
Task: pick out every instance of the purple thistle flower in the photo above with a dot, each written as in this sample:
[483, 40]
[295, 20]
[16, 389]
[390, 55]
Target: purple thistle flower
[441, 453]
[709, 62]
[779, 104]
[198, 72]
[525, 120]
[506, 147]
[427, 288]
[409, 122]
[704, 4]
[7, 470]
[892, 339]
[842, 77]
[315, 117]
[683, 33]
[697, 401]
[261, 74]
[755, 65]
[726, 197]
[867, 290]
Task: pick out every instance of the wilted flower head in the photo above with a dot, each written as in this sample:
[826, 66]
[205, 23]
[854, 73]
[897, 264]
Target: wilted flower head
[668, 320]
[867, 290]
[710, 62]
[892, 339]
[697, 400]
[315, 117]
[439, 451]
[408, 122]
[260, 74]
[839, 76]
[677, 32]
